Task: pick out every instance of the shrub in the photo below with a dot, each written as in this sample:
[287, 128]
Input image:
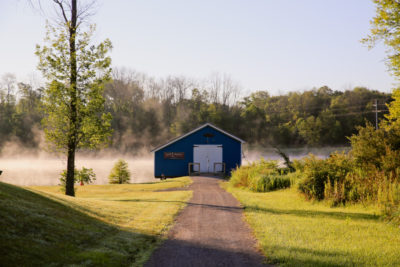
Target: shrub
[261, 176]
[245, 176]
[120, 173]
[271, 182]
[315, 175]
[86, 175]
[318, 173]
[368, 145]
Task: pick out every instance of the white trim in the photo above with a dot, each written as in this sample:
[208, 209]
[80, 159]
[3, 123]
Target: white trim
[195, 130]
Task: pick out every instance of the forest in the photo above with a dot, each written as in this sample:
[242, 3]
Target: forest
[147, 111]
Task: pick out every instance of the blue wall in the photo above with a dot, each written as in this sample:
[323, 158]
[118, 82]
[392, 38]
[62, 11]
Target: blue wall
[231, 155]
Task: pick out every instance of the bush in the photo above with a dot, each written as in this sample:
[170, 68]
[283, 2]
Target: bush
[368, 145]
[86, 175]
[120, 173]
[271, 182]
[330, 172]
[261, 176]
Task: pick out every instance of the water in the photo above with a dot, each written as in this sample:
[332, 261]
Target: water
[29, 170]
[25, 169]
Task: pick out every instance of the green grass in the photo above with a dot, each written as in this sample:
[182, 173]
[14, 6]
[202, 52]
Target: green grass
[294, 232]
[104, 225]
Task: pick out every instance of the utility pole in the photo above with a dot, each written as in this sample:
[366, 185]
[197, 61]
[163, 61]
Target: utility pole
[376, 114]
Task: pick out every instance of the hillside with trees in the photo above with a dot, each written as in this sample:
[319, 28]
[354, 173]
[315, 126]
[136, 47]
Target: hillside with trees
[147, 111]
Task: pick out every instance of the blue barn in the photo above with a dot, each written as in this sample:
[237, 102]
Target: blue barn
[206, 149]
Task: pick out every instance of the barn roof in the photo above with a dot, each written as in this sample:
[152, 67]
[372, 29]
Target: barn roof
[195, 130]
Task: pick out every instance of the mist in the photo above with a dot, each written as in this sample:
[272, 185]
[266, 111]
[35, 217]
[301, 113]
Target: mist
[251, 154]
[45, 170]
[27, 167]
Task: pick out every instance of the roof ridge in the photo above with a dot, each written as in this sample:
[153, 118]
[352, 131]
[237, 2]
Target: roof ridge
[195, 130]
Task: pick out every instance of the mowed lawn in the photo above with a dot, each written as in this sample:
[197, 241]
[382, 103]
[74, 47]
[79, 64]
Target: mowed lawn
[294, 232]
[104, 225]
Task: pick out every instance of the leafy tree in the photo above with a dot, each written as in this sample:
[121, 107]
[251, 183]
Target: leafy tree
[386, 27]
[120, 173]
[84, 176]
[368, 146]
[73, 101]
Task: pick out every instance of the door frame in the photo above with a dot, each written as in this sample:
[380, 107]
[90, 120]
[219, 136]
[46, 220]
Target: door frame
[205, 145]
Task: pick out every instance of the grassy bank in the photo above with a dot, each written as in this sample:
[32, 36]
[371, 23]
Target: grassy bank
[295, 232]
[105, 225]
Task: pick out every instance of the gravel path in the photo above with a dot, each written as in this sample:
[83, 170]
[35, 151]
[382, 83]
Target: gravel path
[210, 231]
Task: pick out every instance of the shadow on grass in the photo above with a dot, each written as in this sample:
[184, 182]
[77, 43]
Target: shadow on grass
[312, 213]
[39, 231]
[300, 213]
[218, 207]
[182, 253]
[295, 256]
[36, 230]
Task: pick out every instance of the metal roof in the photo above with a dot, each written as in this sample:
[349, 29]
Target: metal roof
[195, 130]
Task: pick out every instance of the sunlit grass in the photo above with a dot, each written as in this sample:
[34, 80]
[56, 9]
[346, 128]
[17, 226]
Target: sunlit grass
[294, 232]
[136, 206]
[104, 225]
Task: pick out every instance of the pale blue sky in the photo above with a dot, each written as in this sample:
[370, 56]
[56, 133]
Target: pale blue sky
[278, 46]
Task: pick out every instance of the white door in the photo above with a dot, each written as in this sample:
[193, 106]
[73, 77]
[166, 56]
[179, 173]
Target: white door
[207, 155]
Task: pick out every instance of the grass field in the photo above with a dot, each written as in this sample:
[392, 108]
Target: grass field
[104, 225]
[295, 232]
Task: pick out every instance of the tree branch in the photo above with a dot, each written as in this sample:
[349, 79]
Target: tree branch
[58, 2]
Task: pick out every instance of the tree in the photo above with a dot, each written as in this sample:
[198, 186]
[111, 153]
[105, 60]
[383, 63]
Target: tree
[368, 146]
[386, 27]
[120, 173]
[85, 175]
[77, 71]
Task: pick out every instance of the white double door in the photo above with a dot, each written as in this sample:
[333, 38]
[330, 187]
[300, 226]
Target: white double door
[207, 155]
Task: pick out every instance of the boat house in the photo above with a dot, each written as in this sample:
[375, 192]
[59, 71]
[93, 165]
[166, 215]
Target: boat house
[204, 150]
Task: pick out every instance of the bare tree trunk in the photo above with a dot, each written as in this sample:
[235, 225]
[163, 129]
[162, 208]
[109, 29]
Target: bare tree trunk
[69, 190]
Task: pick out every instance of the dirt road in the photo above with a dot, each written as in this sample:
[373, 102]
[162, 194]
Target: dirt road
[210, 231]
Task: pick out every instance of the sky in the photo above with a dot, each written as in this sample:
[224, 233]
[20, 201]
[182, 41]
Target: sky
[277, 46]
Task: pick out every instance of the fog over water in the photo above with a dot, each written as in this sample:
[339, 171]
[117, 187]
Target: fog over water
[40, 168]
[251, 154]
[29, 170]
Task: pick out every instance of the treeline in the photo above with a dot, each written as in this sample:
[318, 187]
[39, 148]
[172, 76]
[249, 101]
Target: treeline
[147, 111]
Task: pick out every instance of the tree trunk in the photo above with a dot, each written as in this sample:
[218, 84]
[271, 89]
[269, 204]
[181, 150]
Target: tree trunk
[69, 189]
[72, 135]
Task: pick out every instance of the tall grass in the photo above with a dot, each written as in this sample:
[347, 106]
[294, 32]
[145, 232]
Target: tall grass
[261, 176]
[340, 181]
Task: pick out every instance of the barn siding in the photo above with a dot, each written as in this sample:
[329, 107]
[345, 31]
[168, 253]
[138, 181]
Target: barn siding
[179, 167]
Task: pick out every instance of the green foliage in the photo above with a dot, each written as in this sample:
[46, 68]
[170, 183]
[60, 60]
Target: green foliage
[271, 182]
[261, 176]
[90, 128]
[120, 173]
[318, 173]
[368, 146]
[147, 112]
[244, 176]
[386, 27]
[285, 157]
[83, 176]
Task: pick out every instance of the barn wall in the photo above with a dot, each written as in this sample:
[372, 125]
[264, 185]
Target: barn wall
[179, 167]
